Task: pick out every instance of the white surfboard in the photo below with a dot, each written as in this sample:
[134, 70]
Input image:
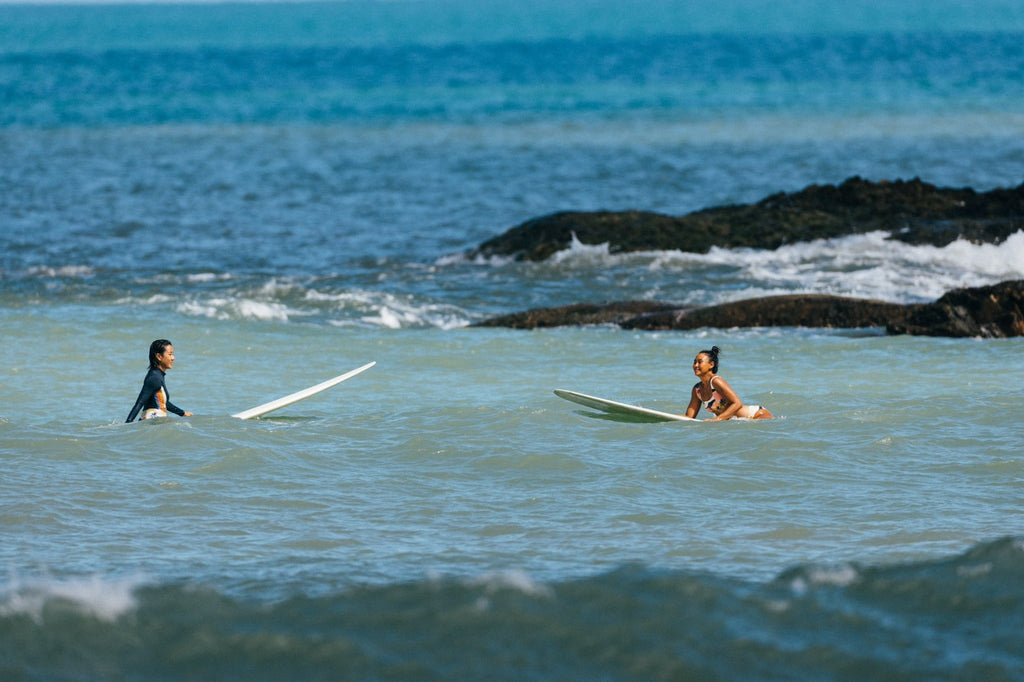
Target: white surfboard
[260, 410]
[621, 411]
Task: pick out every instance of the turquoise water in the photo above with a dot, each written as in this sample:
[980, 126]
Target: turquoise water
[288, 192]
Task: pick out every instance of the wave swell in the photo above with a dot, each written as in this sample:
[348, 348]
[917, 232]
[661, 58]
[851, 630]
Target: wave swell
[958, 618]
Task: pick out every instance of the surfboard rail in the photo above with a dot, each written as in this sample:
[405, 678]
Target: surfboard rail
[613, 407]
[287, 400]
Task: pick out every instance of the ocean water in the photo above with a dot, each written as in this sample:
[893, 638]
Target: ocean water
[288, 191]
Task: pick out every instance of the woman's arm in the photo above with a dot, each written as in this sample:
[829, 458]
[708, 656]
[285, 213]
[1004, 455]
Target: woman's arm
[694, 407]
[729, 396]
[171, 407]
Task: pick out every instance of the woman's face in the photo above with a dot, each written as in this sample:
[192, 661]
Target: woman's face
[165, 360]
[702, 364]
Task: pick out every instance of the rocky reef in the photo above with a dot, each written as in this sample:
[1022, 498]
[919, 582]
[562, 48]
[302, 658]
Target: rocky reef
[910, 211]
[995, 311]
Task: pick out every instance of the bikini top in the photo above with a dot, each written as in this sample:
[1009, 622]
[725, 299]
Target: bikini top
[716, 403]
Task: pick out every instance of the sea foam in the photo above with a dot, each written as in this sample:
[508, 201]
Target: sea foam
[867, 265]
[105, 599]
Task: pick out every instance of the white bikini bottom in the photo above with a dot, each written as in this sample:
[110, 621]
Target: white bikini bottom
[748, 411]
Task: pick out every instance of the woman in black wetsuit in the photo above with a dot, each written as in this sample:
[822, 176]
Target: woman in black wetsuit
[153, 400]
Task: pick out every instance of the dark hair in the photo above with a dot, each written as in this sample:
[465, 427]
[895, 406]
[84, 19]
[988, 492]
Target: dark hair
[157, 348]
[713, 354]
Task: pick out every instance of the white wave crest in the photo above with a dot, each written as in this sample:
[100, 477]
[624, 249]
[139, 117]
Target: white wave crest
[278, 301]
[106, 600]
[388, 310]
[456, 259]
[511, 580]
[579, 253]
[396, 315]
[866, 265]
[233, 308]
[204, 277]
[62, 271]
[841, 575]
[872, 266]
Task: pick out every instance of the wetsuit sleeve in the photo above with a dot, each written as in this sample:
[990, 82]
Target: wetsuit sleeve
[171, 407]
[149, 388]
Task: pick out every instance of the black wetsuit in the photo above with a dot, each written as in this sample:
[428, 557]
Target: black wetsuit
[154, 396]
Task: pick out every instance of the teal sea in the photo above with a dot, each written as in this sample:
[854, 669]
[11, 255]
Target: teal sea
[290, 190]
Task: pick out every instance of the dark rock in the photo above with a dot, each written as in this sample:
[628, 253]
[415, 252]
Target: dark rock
[995, 311]
[795, 310]
[577, 314]
[538, 239]
[910, 211]
[989, 312]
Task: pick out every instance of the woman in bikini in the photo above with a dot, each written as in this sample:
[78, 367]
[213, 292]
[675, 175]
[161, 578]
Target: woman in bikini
[153, 400]
[715, 395]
